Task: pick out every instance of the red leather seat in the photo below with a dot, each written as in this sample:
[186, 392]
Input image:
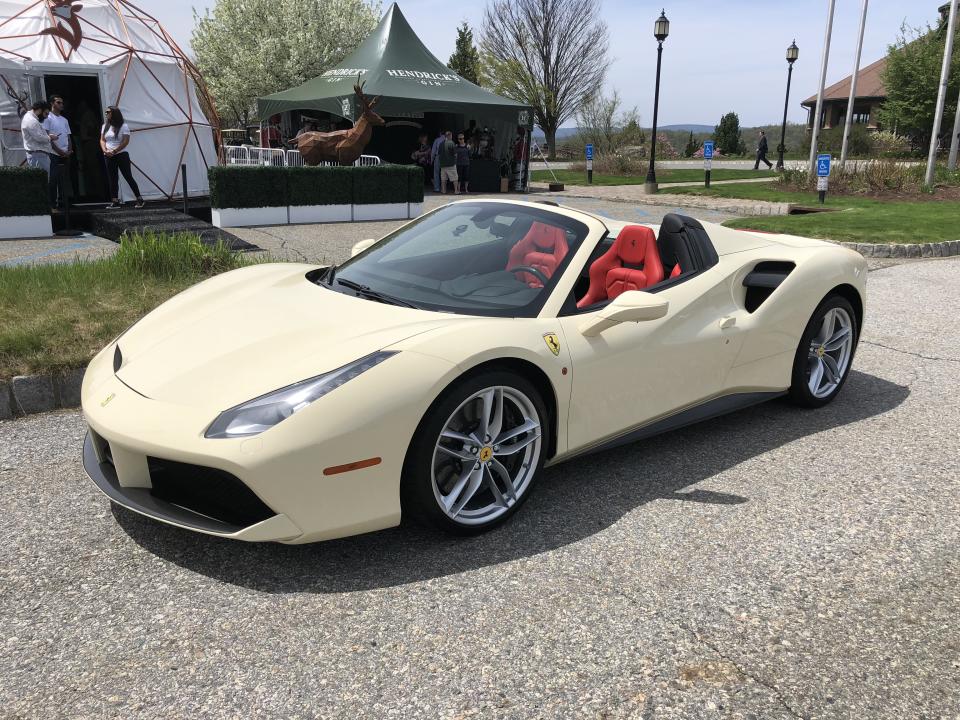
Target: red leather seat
[632, 263]
[543, 247]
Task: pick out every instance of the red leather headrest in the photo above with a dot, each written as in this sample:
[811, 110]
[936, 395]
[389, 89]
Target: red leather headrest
[635, 243]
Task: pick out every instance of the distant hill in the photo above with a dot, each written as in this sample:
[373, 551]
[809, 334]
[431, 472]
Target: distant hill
[689, 128]
[562, 133]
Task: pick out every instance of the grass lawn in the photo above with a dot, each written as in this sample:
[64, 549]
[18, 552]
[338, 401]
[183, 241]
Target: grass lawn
[577, 177]
[57, 317]
[858, 220]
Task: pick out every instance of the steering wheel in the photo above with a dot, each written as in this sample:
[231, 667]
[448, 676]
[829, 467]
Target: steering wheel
[533, 271]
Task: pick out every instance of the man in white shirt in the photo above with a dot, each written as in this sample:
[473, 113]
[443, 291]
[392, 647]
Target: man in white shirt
[36, 140]
[57, 124]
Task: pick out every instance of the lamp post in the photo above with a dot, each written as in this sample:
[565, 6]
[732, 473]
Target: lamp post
[793, 52]
[661, 28]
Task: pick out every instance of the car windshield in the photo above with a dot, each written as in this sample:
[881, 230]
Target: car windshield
[475, 258]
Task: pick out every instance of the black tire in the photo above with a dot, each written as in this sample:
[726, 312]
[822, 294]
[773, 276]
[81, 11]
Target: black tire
[800, 392]
[418, 496]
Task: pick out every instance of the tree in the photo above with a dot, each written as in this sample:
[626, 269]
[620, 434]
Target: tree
[465, 60]
[691, 147]
[911, 76]
[551, 54]
[727, 135]
[250, 48]
[596, 122]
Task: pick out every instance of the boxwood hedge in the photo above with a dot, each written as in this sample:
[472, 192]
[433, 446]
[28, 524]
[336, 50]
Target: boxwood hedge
[233, 186]
[23, 191]
[320, 185]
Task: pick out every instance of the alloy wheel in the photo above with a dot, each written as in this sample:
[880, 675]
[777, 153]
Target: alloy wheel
[486, 455]
[830, 352]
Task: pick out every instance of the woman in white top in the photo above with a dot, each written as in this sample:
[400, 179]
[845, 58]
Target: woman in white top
[114, 138]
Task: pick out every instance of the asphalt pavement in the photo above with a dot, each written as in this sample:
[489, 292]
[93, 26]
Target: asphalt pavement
[774, 563]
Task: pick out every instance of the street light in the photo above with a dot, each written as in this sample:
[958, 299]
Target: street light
[793, 52]
[661, 28]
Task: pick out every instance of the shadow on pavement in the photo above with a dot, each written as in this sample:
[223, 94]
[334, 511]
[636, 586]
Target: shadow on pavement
[572, 501]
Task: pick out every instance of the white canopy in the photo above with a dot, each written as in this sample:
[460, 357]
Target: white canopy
[138, 67]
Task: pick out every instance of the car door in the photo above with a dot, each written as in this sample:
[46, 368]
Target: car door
[635, 373]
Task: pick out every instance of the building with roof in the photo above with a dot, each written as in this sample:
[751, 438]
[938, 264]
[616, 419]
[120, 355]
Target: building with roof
[870, 95]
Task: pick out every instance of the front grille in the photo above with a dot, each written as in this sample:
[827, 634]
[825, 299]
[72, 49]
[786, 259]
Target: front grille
[207, 491]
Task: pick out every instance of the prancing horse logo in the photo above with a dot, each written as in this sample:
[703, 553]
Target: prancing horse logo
[68, 25]
[553, 342]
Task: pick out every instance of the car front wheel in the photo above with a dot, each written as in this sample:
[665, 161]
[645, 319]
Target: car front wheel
[477, 453]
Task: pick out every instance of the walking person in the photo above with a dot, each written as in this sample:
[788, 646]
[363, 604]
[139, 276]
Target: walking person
[462, 154]
[114, 138]
[57, 124]
[448, 163]
[434, 151]
[37, 142]
[762, 152]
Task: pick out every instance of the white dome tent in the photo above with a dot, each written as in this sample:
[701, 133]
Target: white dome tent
[97, 53]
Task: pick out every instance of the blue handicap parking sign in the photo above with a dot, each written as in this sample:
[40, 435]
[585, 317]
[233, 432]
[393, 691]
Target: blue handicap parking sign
[823, 165]
[708, 150]
[589, 152]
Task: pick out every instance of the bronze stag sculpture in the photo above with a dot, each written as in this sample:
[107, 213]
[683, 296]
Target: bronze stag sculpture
[341, 146]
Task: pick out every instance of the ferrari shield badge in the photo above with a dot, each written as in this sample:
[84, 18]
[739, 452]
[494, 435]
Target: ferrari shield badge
[553, 342]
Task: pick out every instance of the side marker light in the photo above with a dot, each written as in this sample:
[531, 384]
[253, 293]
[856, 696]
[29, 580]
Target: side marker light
[358, 465]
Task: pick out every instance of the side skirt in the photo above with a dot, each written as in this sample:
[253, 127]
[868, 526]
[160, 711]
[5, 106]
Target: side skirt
[705, 411]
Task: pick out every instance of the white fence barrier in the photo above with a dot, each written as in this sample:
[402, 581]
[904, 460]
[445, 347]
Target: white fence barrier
[249, 155]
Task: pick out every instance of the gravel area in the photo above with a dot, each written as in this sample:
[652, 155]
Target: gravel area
[774, 563]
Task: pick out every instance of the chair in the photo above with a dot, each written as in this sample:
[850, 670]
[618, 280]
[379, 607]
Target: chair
[632, 263]
[543, 247]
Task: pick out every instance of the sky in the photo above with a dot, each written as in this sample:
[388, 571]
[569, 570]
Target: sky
[721, 55]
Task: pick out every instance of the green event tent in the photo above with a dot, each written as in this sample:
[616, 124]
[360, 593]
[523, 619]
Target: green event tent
[394, 64]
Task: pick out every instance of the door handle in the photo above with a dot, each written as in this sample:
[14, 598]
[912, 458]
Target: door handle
[727, 322]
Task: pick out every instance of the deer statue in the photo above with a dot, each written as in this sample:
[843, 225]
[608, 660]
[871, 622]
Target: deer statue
[341, 146]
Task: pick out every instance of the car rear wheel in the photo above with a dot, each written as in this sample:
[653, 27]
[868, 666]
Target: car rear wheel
[477, 453]
[825, 354]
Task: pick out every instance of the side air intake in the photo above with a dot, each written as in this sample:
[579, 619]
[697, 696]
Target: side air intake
[763, 280]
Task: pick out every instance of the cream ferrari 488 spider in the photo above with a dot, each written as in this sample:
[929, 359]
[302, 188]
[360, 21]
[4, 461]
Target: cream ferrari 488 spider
[438, 371]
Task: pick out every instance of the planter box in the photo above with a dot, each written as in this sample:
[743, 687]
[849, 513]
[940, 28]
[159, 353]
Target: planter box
[415, 210]
[320, 213]
[381, 211]
[25, 226]
[245, 217]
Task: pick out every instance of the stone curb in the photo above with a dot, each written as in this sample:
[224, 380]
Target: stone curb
[29, 394]
[948, 248]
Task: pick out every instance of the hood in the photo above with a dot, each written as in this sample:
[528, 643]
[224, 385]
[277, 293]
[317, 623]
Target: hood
[251, 331]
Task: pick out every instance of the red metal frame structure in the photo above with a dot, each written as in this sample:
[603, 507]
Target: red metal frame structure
[128, 14]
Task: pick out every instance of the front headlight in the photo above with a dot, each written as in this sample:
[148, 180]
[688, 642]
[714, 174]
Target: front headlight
[262, 413]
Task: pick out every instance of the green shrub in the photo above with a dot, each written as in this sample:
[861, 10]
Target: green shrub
[248, 187]
[859, 144]
[320, 185]
[415, 184]
[23, 192]
[380, 184]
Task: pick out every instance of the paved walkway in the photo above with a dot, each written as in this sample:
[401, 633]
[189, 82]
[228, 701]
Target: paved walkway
[635, 195]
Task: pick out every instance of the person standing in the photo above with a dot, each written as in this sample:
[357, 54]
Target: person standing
[57, 124]
[762, 152]
[462, 153]
[448, 163]
[37, 142]
[114, 138]
[434, 152]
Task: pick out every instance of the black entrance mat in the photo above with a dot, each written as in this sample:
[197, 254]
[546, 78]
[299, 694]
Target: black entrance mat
[111, 224]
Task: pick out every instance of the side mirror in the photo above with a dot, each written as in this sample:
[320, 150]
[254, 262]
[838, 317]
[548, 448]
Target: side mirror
[361, 246]
[631, 306]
